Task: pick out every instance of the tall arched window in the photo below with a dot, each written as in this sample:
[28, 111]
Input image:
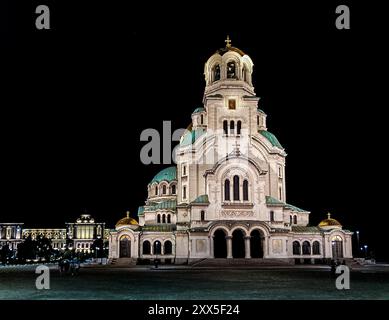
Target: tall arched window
[231, 70]
[225, 127]
[291, 220]
[163, 189]
[173, 189]
[238, 127]
[169, 219]
[296, 247]
[272, 216]
[245, 190]
[201, 119]
[158, 218]
[156, 190]
[257, 120]
[216, 73]
[163, 218]
[167, 247]
[295, 219]
[236, 187]
[146, 247]
[316, 247]
[232, 127]
[202, 215]
[227, 190]
[306, 247]
[157, 247]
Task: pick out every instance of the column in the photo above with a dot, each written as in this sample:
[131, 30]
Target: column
[247, 247]
[229, 247]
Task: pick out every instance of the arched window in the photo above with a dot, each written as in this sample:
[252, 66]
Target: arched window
[316, 247]
[158, 218]
[245, 190]
[291, 220]
[163, 189]
[157, 247]
[295, 220]
[236, 188]
[257, 120]
[272, 216]
[201, 119]
[163, 218]
[202, 215]
[169, 219]
[227, 190]
[232, 127]
[156, 190]
[184, 192]
[296, 247]
[306, 247]
[146, 247]
[231, 72]
[280, 193]
[167, 247]
[173, 189]
[238, 127]
[225, 127]
[216, 73]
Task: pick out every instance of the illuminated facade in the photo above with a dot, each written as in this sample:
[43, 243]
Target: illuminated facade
[226, 197]
[11, 235]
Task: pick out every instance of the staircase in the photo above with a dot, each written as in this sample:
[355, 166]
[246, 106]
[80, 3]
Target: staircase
[231, 263]
[122, 262]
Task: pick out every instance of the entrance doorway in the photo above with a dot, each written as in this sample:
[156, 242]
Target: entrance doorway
[219, 244]
[256, 244]
[238, 249]
[125, 247]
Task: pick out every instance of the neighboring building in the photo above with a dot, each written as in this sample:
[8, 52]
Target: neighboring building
[226, 197]
[11, 235]
[57, 236]
[84, 232]
[79, 235]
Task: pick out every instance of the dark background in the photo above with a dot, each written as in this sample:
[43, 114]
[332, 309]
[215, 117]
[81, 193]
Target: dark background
[77, 97]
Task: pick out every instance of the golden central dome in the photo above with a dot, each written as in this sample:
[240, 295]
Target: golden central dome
[329, 222]
[126, 221]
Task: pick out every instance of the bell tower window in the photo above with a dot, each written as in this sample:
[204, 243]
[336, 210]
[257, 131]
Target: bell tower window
[236, 188]
[231, 70]
[216, 73]
[232, 127]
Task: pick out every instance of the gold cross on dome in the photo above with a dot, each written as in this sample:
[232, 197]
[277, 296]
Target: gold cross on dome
[128, 214]
[329, 215]
[228, 41]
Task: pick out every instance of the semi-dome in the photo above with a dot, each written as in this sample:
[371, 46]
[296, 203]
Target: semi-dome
[126, 221]
[329, 222]
[168, 174]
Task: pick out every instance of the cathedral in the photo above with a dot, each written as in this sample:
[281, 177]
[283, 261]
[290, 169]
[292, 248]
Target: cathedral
[226, 195]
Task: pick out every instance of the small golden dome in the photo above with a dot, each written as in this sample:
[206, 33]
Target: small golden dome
[329, 222]
[126, 221]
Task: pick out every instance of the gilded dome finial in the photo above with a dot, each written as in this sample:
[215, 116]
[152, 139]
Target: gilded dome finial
[329, 215]
[228, 41]
[128, 214]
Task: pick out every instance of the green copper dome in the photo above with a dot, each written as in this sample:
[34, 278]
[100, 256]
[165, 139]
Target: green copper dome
[198, 110]
[168, 174]
[191, 136]
[271, 138]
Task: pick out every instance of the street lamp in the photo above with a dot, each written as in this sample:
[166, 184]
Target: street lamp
[365, 246]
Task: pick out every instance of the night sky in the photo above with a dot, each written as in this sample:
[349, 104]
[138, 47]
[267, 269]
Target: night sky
[79, 95]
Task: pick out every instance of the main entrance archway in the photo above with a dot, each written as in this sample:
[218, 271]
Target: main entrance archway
[125, 247]
[219, 244]
[256, 244]
[238, 249]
